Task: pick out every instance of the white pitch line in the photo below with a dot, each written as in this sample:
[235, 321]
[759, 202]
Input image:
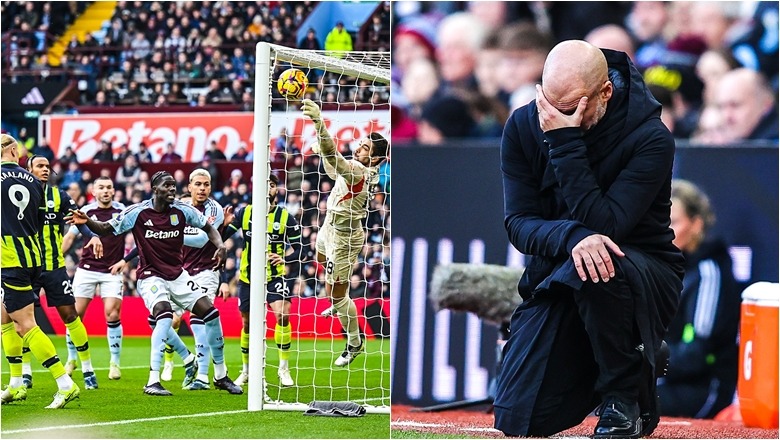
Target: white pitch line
[418, 424]
[121, 422]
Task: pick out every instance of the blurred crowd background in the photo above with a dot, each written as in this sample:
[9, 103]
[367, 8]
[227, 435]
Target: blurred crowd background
[460, 68]
[196, 56]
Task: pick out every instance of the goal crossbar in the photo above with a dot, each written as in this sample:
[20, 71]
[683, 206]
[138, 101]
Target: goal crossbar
[344, 61]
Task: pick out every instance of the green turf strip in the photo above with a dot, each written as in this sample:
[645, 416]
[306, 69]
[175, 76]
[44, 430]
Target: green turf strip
[115, 409]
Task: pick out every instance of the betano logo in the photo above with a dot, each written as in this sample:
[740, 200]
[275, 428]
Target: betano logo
[161, 234]
[33, 97]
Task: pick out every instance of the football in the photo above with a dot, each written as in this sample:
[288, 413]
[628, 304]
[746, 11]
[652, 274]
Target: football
[292, 84]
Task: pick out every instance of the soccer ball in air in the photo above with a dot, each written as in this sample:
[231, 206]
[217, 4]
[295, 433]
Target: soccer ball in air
[292, 84]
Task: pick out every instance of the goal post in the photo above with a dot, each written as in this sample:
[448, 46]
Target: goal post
[361, 81]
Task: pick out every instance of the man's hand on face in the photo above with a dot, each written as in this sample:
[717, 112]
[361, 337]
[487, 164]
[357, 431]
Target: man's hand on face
[550, 118]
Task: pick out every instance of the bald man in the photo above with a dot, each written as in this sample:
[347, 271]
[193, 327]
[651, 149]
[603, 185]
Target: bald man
[587, 178]
[747, 106]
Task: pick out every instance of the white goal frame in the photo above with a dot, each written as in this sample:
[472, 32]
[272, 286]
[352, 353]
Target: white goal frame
[265, 54]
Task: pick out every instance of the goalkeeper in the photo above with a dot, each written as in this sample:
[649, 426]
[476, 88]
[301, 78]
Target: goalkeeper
[341, 238]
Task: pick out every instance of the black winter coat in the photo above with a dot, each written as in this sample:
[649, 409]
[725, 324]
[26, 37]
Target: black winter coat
[615, 179]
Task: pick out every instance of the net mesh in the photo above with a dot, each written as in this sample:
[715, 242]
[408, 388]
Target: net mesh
[353, 92]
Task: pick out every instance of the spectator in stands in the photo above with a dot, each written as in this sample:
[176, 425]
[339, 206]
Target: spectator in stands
[680, 78]
[212, 39]
[256, 28]
[710, 68]
[241, 153]
[214, 93]
[338, 39]
[713, 21]
[377, 34]
[43, 149]
[116, 33]
[702, 336]
[460, 37]
[213, 152]
[76, 193]
[111, 95]
[140, 46]
[445, 117]
[143, 155]
[523, 50]
[105, 154]
[72, 175]
[25, 141]
[170, 155]
[123, 153]
[612, 36]
[30, 15]
[310, 41]
[68, 157]
[748, 106]
[128, 173]
[647, 21]
[237, 91]
[175, 43]
[100, 99]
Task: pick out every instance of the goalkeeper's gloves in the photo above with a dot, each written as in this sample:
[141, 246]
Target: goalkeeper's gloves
[315, 148]
[311, 109]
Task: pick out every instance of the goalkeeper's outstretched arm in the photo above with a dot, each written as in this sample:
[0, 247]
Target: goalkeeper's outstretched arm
[333, 160]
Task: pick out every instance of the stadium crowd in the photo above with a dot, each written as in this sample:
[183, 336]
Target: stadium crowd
[186, 54]
[460, 68]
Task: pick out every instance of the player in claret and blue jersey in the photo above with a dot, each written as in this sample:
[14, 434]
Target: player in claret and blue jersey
[158, 228]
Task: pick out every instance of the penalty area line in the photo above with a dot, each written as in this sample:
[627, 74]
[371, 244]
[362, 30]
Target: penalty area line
[121, 422]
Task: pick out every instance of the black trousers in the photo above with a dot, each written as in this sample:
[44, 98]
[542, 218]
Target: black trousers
[570, 349]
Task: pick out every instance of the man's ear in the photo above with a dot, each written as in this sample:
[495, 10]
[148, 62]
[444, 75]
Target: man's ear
[606, 90]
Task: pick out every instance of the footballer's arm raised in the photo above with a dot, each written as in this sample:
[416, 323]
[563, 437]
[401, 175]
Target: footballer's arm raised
[79, 218]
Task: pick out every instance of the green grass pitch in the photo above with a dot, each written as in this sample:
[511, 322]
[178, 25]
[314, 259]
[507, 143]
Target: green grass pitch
[119, 409]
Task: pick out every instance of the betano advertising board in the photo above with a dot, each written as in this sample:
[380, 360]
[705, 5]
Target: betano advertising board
[191, 133]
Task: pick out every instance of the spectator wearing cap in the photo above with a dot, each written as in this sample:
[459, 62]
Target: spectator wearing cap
[338, 40]
[747, 105]
[678, 74]
[444, 118]
[104, 154]
[412, 39]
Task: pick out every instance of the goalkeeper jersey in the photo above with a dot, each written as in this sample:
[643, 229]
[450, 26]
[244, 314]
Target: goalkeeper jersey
[350, 200]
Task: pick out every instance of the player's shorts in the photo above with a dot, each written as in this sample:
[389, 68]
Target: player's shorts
[85, 284]
[277, 291]
[341, 249]
[17, 291]
[183, 291]
[58, 287]
[208, 280]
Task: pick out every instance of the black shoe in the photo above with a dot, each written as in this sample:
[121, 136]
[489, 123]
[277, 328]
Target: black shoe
[226, 384]
[648, 395]
[618, 420]
[156, 389]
